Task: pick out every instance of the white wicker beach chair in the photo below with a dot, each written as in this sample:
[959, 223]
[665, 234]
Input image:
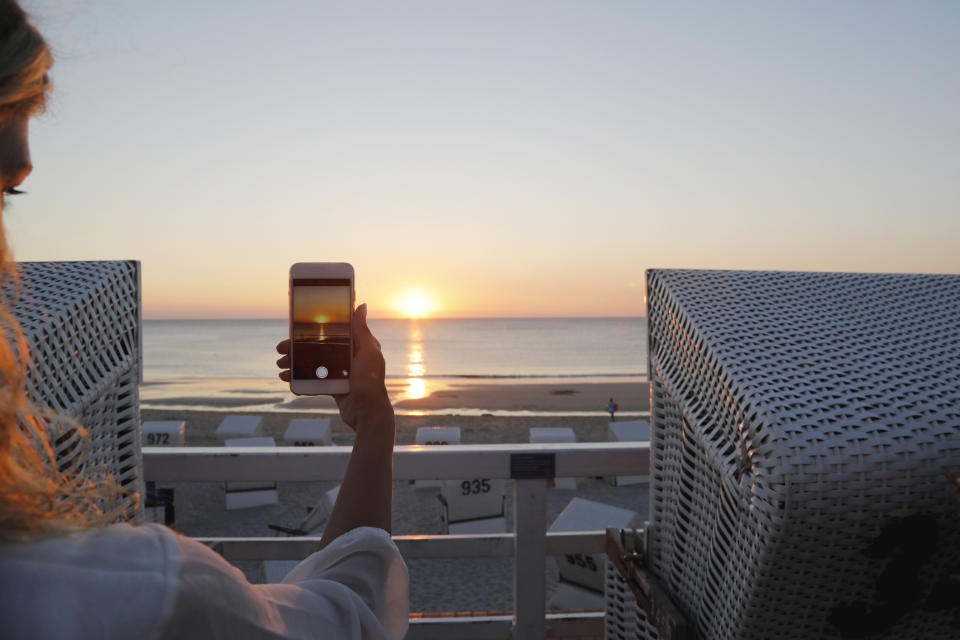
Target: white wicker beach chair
[308, 432]
[243, 494]
[472, 506]
[581, 575]
[81, 321]
[159, 501]
[802, 428]
[240, 426]
[313, 523]
[438, 435]
[435, 436]
[466, 506]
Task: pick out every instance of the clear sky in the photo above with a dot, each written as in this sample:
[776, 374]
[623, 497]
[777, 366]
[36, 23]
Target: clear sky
[501, 158]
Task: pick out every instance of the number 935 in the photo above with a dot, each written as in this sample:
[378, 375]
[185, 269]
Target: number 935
[474, 487]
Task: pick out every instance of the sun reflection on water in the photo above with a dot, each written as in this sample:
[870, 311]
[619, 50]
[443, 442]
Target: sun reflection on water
[416, 388]
[416, 369]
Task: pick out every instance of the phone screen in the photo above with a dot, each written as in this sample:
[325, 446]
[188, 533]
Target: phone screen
[320, 309]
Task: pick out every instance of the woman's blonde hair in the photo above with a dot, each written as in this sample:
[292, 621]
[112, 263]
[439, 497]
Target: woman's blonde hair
[40, 495]
[24, 61]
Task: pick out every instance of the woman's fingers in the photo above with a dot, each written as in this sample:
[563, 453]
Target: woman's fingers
[284, 362]
[363, 341]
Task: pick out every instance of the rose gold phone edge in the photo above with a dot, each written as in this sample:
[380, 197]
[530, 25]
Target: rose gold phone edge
[319, 270]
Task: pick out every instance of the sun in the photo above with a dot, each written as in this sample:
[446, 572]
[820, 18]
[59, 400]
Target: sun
[414, 304]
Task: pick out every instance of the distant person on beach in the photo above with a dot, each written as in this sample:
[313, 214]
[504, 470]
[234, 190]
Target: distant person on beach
[68, 570]
[612, 409]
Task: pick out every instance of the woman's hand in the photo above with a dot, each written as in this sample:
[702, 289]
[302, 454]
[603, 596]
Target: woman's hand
[365, 498]
[367, 403]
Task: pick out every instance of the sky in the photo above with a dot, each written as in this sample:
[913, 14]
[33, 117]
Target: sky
[491, 159]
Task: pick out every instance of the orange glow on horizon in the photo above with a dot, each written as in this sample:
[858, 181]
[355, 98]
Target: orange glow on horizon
[446, 296]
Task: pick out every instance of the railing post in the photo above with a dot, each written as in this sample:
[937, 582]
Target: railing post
[530, 559]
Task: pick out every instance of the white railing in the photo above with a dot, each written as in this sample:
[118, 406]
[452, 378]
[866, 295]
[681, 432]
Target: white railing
[529, 465]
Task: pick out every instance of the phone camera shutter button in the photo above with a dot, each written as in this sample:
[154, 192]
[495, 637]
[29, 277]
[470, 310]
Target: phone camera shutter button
[322, 372]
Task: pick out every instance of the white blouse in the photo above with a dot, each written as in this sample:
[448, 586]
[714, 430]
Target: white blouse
[150, 582]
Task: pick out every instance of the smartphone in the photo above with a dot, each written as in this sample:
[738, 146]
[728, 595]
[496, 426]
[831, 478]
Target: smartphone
[321, 329]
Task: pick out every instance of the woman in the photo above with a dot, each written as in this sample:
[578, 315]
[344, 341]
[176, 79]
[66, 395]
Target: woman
[66, 571]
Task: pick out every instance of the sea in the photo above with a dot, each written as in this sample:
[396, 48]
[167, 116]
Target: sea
[231, 364]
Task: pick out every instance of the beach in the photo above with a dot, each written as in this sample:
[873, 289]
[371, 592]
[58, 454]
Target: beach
[575, 404]
[436, 585]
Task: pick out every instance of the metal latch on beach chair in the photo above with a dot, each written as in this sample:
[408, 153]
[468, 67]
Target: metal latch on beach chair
[626, 549]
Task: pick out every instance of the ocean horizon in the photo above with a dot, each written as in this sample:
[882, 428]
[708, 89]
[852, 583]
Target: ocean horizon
[232, 362]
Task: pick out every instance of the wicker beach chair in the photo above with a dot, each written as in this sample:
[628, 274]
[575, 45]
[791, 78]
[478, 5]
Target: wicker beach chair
[244, 494]
[308, 432]
[240, 426]
[435, 436]
[803, 429]
[581, 576]
[81, 321]
[159, 502]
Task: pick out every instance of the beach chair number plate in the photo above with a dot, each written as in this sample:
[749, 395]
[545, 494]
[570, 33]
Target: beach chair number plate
[158, 438]
[473, 487]
[582, 561]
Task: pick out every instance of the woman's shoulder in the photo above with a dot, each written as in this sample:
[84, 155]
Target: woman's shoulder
[113, 545]
[122, 574]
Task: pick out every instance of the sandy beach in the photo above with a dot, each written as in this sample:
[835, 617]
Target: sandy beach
[436, 585]
[410, 396]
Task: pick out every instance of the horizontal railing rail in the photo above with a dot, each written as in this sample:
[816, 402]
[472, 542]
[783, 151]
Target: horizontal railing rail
[489, 545]
[529, 465]
[410, 462]
[581, 624]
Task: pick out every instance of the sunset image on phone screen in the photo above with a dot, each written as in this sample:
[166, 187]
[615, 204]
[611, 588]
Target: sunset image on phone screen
[321, 328]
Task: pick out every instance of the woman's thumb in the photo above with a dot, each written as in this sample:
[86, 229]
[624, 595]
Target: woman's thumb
[362, 334]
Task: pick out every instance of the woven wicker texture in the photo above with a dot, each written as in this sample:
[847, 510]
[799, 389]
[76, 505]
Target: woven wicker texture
[82, 323]
[802, 425]
[623, 619]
